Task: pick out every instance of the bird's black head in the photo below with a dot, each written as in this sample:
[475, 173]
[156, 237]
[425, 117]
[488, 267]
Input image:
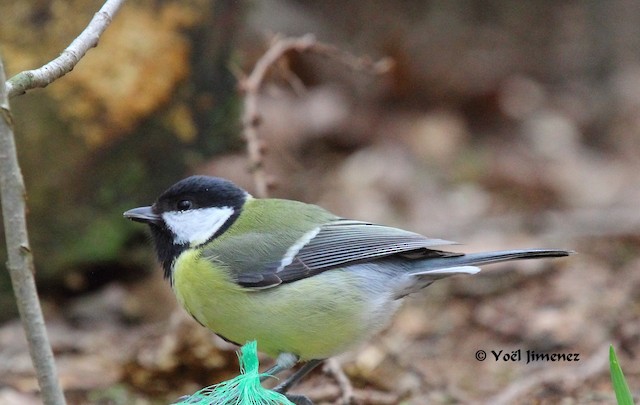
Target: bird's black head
[190, 213]
[200, 192]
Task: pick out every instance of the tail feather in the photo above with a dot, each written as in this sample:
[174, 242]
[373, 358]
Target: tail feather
[428, 270]
[442, 266]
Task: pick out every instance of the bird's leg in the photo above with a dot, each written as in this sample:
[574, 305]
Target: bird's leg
[284, 362]
[298, 399]
[284, 386]
[297, 376]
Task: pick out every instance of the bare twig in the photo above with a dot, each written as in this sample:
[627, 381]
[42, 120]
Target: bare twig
[20, 259]
[331, 393]
[63, 64]
[332, 367]
[20, 263]
[252, 84]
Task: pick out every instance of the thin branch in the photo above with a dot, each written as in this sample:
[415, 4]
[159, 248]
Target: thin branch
[252, 84]
[332, 367]
[20, 259]
[69, 58]
[332, 394]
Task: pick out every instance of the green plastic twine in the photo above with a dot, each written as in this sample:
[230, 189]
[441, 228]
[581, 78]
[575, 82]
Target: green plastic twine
[244, 389]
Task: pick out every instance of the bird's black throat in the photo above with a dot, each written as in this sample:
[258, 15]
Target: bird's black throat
[166, 250]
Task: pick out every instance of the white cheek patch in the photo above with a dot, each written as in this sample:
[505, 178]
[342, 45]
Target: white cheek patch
[194, 227]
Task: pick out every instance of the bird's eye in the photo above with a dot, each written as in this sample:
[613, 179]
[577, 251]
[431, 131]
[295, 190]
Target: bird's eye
[184, 205]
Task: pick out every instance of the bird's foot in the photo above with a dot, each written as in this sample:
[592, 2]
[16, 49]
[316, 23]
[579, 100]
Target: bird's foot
[298, 399]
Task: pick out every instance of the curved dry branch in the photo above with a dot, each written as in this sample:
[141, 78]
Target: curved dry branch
[63, 64]
[251, 86]
[251, 115]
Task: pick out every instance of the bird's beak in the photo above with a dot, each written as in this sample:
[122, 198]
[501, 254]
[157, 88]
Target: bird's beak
[143, 214]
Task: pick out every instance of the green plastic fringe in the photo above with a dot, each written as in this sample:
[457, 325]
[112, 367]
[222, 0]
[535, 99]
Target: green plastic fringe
[244, 389]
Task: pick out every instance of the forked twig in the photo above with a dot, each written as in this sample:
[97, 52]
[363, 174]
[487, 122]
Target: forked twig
[20, 259]
[12, 189]
[252, 84]
[332, 367]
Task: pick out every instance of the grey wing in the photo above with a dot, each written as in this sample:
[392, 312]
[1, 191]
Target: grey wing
[345, 242]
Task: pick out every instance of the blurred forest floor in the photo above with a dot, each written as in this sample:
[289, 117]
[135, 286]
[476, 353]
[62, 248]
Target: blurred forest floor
[500, 126]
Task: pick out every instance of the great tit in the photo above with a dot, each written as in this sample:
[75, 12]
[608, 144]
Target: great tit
[304, 283]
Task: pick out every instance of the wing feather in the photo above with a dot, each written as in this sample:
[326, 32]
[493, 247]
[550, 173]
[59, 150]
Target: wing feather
[343, 242]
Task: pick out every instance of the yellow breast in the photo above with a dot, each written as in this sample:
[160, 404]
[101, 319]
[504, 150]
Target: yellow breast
[313, 318]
